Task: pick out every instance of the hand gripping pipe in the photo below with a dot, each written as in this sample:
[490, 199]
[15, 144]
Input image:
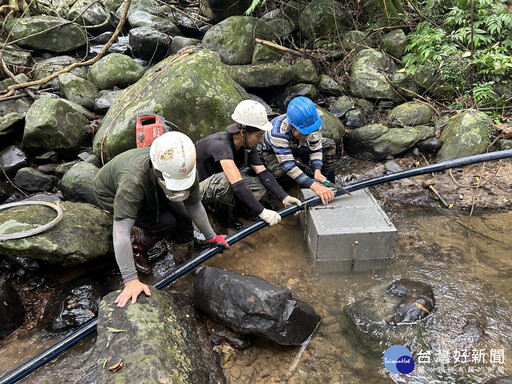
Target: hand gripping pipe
[89, 327]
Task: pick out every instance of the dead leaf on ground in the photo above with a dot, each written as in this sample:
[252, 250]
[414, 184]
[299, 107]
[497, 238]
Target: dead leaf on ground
[116, 367]
[163, 381]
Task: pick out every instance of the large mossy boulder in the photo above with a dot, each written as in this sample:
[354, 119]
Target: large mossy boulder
[376, 141]
[83, 234]
[159, 340]
[368, 76]
[78, 90]
[410, 114]
[466, 134]
[53, 124]
[332, 127]
[233, 38]
[321, 18]
[193, 91]
[47, 33]
[113, 70]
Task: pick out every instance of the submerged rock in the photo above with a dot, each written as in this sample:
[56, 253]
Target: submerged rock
[11, 310]
[249, 304]
[158, 339]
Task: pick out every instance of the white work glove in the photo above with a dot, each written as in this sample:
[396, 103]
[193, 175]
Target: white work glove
[288, 200]
[271, 217]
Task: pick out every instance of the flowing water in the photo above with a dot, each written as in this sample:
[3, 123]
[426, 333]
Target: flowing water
[466, 260]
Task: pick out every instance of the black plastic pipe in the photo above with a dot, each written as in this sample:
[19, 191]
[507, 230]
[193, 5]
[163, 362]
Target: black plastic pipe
[71, 339]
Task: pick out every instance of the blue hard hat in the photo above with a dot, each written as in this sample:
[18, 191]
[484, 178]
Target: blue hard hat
[302, 114]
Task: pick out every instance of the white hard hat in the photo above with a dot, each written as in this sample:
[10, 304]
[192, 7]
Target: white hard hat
[174, 155]
[252, 114]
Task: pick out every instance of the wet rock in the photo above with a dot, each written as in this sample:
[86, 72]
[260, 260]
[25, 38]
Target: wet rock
[355, 118]
[71, 242]
[145, 19]
[149, 43]
[231, 40]
[91, 13]
[31, 180]
[77, 183]
[332, 127]
[107, 98]
[12, 159]
[58, 121]
[341, 106]
[11, 310]
[302, 89]
[468, 133]
[11, 129]
[198, 76]
[47, 33]
[500, 380]
[46, 158]
[160, 340]
[180, 42]
[250, 304]
[431, 145]
[418, 301]
[51, 65]
[78, 90]
[217, 10]
[16, 57]
[74, 305]
[115, 70]
[262, 75]
[222, 334]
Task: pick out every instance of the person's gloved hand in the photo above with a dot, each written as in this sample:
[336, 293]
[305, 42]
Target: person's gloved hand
[270, 217]
[288, 200]
[220, 241]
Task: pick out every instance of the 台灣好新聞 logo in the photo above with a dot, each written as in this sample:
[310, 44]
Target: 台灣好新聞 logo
[398, 359]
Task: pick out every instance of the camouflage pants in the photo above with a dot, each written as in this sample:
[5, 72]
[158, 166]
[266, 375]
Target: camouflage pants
[217, 188]
[301, 156]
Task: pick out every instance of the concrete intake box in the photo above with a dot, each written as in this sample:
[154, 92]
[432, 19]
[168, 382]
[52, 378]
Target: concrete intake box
[351, 233]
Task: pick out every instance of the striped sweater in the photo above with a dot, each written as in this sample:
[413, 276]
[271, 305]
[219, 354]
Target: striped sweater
[280, 140]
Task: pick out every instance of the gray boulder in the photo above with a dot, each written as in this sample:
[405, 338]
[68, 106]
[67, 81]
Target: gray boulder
[11, 128]
[11, 310]
[180, 42]
[405, 85]
[249, 304]
[233, 38]
[394, 43]
[47, 67]
[78, 90]
[321, 18]
[71, 242]
[434, 84]
[410, 114]
[16, 57]
[332, 127]
[145, 19]
[107, 98]
[368, 79]
[12, 159]
[341, 106]
[159, 340]
[281, 25]
[330, 86]
[376, 142]
[355, 41]
[77, 183]
[262, 75]
[218, 10]
[284, 97]
[466, 134]
[149, 43]
[52, 124]
[193, 91]
[91, 13]
[47, 33]
[32, 180]
[115, 70]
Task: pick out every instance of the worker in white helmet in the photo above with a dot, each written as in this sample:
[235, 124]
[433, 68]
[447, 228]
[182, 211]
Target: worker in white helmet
[155, 188]
[230, 169]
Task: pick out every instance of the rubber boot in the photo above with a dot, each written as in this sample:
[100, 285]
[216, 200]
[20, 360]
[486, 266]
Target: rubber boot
[140, 247]
[182, 252]
[224, 212]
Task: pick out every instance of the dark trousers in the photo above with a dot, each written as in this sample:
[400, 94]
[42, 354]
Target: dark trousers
[172, 220]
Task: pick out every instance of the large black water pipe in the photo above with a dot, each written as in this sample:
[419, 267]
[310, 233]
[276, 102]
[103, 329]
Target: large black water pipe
[89, 327]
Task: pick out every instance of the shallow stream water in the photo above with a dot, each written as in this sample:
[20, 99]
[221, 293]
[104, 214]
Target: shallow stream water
[466, 259]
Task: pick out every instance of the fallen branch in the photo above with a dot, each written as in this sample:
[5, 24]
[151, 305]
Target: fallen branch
[277, 46]
[14, 78]
[122, 20]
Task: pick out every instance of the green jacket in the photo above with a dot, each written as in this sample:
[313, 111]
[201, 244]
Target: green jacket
[126, 185]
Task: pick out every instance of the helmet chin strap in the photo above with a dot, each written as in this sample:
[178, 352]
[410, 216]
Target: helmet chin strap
[246, 150]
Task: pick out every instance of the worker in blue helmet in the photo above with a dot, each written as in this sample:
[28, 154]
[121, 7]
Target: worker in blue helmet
[294, 150]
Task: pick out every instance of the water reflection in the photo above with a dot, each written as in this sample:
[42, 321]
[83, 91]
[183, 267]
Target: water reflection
[466, 260]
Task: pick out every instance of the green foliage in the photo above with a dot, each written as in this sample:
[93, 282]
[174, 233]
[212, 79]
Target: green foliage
[476, 35]
[253, 6]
